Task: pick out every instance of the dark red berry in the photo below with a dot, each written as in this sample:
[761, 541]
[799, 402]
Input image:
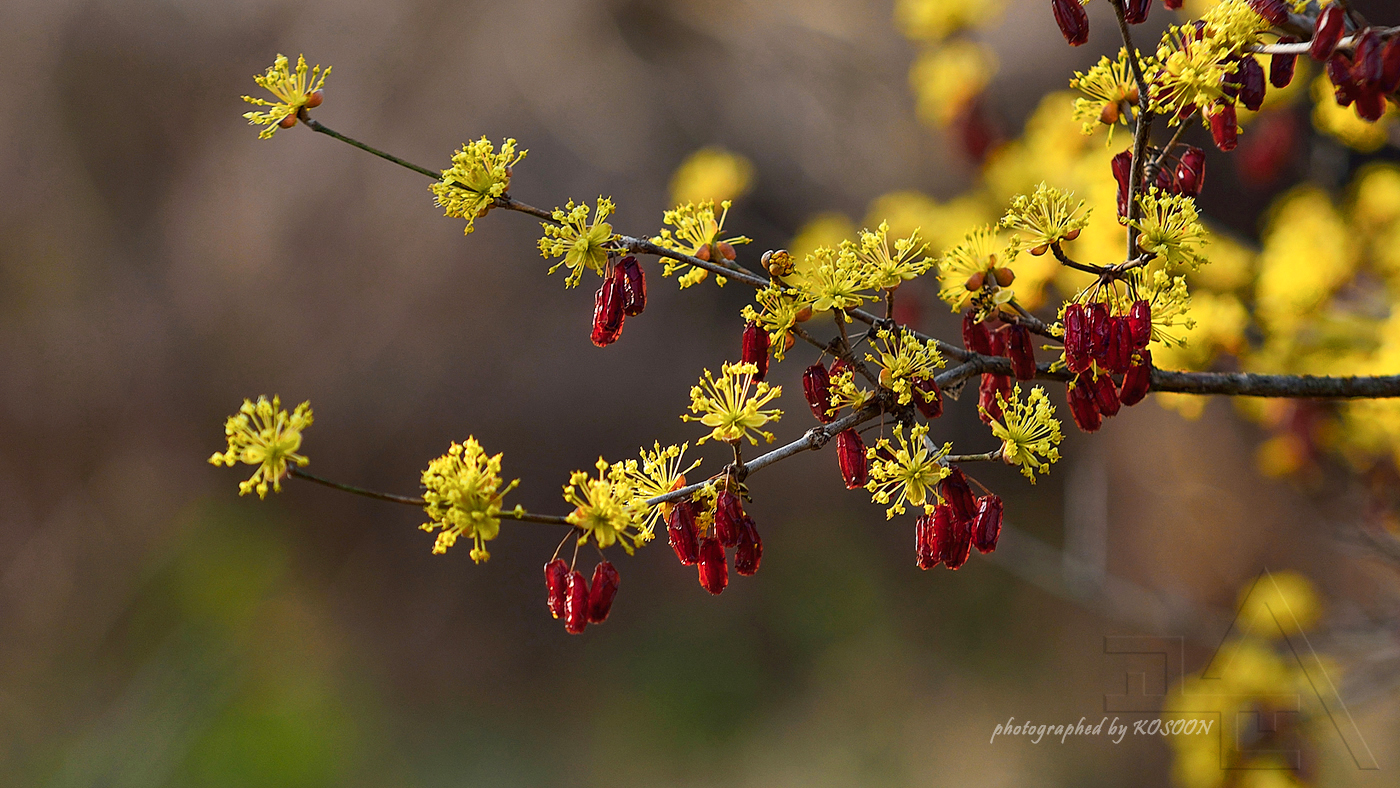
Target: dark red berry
[1251, 83]
[1122, 165]
[850, 455]
[1370, 103]
[634, 285]
[1224, 129]
[1122, 353]
[1140, 323]
[1344, 89]
[1191, 172]
[1081, 404]
[1072, 19]
[988, 409]
[986, 526]
[1390, 65]
[953, 535]
[755, 349]
[601, 592]
[1137, 379]
[576, 603]
[556, 573]
[958, 494]
[1021, 350]
[1105, 394]
[925, 546]
[607, 313]
[749, 553]
[1077, 355]
[1281, 66]
[816, 387]
[1135, 11]
[682, 533]
[976, 338]
[729, 516]
[714, 572]
[1273, 11]
[930, 408]
[1367, 67]
[1331, 23]
[1100, 330]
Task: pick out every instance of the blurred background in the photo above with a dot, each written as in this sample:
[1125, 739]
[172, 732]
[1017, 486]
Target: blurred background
[159, 263]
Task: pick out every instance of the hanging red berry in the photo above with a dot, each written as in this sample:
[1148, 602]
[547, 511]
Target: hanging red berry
[1100, 330]
[1140, 323]
[988, 408]
[634, 285]
[958, 494]
[749, 554]
[1137, 380]
[925, 548]
[816, 387]
[729, 516]
[1135, 11]
[976, 338]
[714, 572]
[1275, 12]
[1223, 127]
[601, 592]
[953, 535]
[1072, 19]
[1390, 65]
[933, 407]
[1105, 393]
[682, 533]
[1122, 166]
[1081, 404]
[576, 603]
[1077, 355]
[986, 526]
[1021, 350]
[556, 574]
[1191, 172]
[850, 455]
[1281, 67]
[1251, 83]
[607, 313]
[755, 349]
[1331, 23]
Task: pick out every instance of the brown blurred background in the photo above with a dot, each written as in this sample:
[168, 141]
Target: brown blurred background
[158, 263]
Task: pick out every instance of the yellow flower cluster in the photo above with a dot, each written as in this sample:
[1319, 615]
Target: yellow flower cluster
[264, 435]
[1109, 92]
[732, 406]
[780, 310]
[294, 90]
[696, 231]
[478, 176]
[712, 174]
[1170, 228]
[1190, 66]
[904, 357]
[607, 509]
[905, 472]
[1048, 215]
[583, 243]
[463, 496]
[971, 266]
[658, 473]
[1029, 431]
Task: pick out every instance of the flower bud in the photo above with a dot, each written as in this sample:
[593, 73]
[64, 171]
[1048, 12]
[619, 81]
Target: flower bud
[986, 526]
[1140, 323]
[601, 592]
[1251, 83]
[850, 455]
[755, 349]
[1081, 404]
[929, 409]
[816, 387]
[1037, 251]
[803, 315]
[1072, 19]
[925, 547]
[778, 262]
[953, 536]
[1021, 350]
[607, 313]
[556, 573]
[575, 603]
[287, 122]
[1275, 12]
[1073, 234]
[749, 553]
[975, 282]
[634, 285]
[314, 100]
[714, 572]
[726, 251]
[1135, 11]
[1281, 66]
[1100, 330]
[703, 253]
[1223, 127]
[957, 494]
[1191, 171]
[681, 532]
[1076, 338]
[988, 408]
[1107, 116]
[729, 516]
[1137, 380]
[1004, 276]
[1331, 23]
[1122, 165]
[1390, 65]
[1105, 394]
[976, 338]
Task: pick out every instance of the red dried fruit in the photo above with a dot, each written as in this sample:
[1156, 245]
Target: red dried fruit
[1367, 67]
[1331, 23]
[755, 350]
[714, 572]
[976, 337]
[601, 592]
[1081, 404]
[1072, 19]
[1137, 380]
[1172, 5]
[1100, 330]
[1135, 11]
[1122, 165]
[607, 313]
[816, 387]
[1344, 90]
[1232, 82]
[575, 603]
[1191, 172]
[986, 526]
[1077, 356]
[556, 573]
[1273, 11]
[1021, 350]
[1121, 354]
[1224, 129]
[1105, 394]
[1370, 103]
[850, 455]
[634, 285]
[1251, 83]
[1390, 65]
[953, 536]
[925, 548]
[749, 554]
[1140, 323]
[1281, 66]
[996, 343]
[729, 516]
[929, 409]
[988, 409]
[958, 494]
[682, 533]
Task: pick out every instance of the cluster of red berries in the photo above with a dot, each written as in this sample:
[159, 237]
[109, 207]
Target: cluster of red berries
[1367, 75]
[1187, 178]
[623, 294]
[574, 599]
[1074, 20]
[1099, 345]
[1012, 340]
[957, 525]
[732, 529]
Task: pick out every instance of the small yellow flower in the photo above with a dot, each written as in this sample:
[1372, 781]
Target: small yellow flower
[888, 270]
[478, 175]
[834, 280]
[981, 252]
[902, 359]
[607, 508]
[1170, 300]
[1048, 215]
[781, 309]
[658, 473]
[264, 435]
[1188, 73]
[733, 405]
[293, 91]
[582, 244]
[907, 474]
[1170, 228]
[845, 393]
[463, 497]
[1028, 431]
[1108, 88]
[698, 233]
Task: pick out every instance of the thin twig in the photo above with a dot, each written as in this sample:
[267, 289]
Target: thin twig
[319, 127]
[508, 514]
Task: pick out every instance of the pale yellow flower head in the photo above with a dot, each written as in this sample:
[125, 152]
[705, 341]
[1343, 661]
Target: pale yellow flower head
[732, 406]
[1029, 431]
[608, 508]
[582, 243]
[293, 90]
[1047, 216]
[903, 358]
[906, 472]
[463, 497]
[698, 232]
[264, 435]
[478, 176]
[659, 471]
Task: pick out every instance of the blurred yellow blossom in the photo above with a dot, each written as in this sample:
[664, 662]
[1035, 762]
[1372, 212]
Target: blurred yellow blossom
[264, 435]
[711, 174]
[946, 78]
[478, 176]
[463, 497]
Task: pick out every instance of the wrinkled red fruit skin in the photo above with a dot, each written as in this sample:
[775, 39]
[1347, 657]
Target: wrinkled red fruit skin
[601, 592]
[1021, 350]
[755, 350]
[1137, 379]
[925, 547]
[1140, 323]
[1081, 404]
[816, 387]
[1105, 395]
[1073, 21]
[1122, 353]
[750, 551]
[1172, 5]
[607, 313]
[681, 532]
[850, 455]
[1122, 165]
[729, 517]
[1100, 330]
[1273, 11]
[1224, 128]
[1076, 338]
[1367, 67]
[1191, 172]
[930, 409]
[958, 494]
[1251, 83]
[953, 535]
[1390, 65]
[556, 573]
[1330, 25]
[714, 572]
[976, 337]
[576, 603]
[1370, 103]
[1135, 11]
[1281, 66]
[634, 285]
[989, 409]
[986, 526]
